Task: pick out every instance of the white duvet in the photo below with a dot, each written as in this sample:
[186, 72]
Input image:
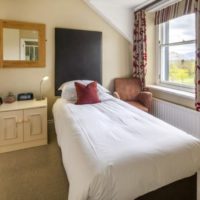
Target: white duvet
[113, 151]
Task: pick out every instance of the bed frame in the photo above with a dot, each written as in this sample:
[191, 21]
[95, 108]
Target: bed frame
[184, 189]
[78, 55]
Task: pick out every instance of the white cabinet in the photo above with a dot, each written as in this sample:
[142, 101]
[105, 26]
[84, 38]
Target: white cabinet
[23, 125]
[35, 127]
[11, 127]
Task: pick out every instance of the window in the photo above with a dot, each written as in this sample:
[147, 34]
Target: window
[29, 49]
[177, 52]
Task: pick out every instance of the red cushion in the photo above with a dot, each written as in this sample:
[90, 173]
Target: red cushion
[86, 94]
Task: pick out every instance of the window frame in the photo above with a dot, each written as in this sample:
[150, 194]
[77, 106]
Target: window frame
[159, 81]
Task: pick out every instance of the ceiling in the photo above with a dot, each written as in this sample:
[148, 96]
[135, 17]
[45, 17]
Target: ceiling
[118, 13]
[124, 3]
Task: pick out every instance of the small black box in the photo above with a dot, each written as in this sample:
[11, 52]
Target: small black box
[24, 96]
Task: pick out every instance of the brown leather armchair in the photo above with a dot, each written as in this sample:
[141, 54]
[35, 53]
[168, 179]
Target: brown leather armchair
[130, 90]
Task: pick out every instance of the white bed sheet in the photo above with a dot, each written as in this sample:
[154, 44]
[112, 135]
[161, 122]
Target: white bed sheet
[113, 151]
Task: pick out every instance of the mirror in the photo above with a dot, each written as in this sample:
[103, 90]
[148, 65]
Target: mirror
[20, 44]
[23, 44]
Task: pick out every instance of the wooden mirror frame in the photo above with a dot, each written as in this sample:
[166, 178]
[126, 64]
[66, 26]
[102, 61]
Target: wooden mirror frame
[41, 46]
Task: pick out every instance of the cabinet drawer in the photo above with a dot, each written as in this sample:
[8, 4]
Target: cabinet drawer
[35, 124]
[11, 127]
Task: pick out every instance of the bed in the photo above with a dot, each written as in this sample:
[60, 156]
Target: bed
[113, 151]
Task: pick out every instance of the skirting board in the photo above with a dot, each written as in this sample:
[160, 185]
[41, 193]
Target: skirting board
[25, 145]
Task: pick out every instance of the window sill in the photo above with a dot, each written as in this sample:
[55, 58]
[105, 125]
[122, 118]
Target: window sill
[174, 92]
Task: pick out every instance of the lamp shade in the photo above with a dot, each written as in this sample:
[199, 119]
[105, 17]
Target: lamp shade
[45, 78]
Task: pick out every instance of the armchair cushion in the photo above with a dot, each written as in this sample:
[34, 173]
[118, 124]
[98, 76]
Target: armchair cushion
[127, 88]
[138, 105]
[145, 98]
[115, 94]
[130, 90]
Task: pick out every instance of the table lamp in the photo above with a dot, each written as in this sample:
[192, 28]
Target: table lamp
[45, 78]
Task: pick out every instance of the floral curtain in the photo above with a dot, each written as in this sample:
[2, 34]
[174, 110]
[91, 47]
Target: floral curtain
[139, 46]
[197, 74]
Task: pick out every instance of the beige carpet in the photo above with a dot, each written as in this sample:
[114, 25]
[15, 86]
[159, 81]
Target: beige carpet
[34, 174]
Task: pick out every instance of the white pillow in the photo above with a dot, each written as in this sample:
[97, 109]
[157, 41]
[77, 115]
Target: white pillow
[69, 91]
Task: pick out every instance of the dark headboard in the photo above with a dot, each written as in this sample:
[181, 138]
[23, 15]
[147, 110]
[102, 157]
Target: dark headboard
[78, 56]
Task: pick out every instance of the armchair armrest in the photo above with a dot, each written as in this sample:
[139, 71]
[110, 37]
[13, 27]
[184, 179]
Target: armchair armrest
[145, 98]
[116, 95]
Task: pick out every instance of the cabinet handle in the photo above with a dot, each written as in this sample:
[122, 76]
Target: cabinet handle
[19, 121]
[27, 120]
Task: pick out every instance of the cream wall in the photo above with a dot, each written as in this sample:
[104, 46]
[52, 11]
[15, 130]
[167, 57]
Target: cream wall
[66, 14]
[151, 67]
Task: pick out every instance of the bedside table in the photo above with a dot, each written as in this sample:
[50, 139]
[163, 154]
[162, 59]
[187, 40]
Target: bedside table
[23, 124]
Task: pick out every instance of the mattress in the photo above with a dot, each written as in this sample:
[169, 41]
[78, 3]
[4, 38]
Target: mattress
[114, 151]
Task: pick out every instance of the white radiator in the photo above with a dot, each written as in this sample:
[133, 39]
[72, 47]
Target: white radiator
[181, 117]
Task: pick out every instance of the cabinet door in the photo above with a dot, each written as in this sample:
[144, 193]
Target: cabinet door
[11, 127]
[35, 124]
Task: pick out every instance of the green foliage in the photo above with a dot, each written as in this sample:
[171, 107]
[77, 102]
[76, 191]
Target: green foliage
[182, 72]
